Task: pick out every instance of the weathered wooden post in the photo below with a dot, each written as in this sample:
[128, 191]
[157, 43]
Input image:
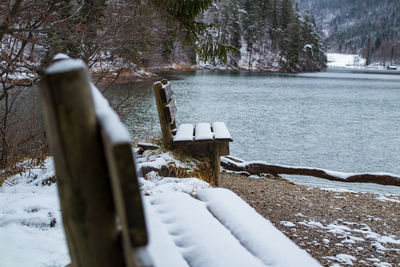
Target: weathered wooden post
[82, 175]
[160, 95]
[215, 161]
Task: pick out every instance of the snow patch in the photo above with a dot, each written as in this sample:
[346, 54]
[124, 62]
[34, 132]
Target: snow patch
[386, 199]
[155, 184]
[31, 230]
[256, 233]
[343, 258]
[66, 66]
[196, 234]
[336, 60]
[287, 224]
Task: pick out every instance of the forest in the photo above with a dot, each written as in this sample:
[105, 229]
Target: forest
[370, 28]
[124, 37]
[268, 34]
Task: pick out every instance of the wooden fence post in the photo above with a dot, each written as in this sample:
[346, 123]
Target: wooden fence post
[164, 123]
[82, 175]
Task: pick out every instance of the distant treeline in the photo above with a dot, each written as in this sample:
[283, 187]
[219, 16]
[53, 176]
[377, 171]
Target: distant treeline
[268, 34]
[367, 27]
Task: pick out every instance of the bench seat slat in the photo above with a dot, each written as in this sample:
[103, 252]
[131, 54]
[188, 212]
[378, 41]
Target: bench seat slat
[203, 132]
[221, 132]
[184, 133]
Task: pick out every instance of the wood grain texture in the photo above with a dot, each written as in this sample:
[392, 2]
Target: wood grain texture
[167, 92]
[223, 147]
[162, 115]
[82, 176]
[172, 109]
[215, 161]
[126, 193]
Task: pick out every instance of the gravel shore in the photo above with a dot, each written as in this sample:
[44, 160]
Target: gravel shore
[359, 229]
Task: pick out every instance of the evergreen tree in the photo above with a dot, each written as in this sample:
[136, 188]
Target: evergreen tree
[270, 27]
[293, 45]
[286, 13]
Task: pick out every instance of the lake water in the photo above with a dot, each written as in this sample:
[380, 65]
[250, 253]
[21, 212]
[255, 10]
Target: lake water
[341, 120]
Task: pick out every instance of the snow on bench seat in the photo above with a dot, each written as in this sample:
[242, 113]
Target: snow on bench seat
[216, 229]
[203, 132]
[199, 237]
[253, 231]
[221, 131]
[184, 133]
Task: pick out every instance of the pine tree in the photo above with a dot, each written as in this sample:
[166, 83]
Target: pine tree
[285, 13]
[293, 45]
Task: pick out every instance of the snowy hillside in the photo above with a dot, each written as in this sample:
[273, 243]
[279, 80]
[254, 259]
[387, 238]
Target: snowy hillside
[370, 27]
[336, 60]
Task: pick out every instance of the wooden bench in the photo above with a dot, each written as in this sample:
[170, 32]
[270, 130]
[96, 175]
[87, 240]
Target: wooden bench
[100, 200]
[106, 220]
[201, 139]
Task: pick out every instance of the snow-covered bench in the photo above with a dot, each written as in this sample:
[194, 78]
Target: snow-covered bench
[201, 139]
[106, 219]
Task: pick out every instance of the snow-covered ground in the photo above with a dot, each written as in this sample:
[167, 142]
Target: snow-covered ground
[187, 221]
[336, 60]
[350, 234]
[31, 231]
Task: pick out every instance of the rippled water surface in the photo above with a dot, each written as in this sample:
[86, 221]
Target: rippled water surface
[339, 120]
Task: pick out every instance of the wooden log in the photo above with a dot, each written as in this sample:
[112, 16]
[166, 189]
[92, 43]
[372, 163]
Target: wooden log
[258, 168]
[82, 176]
[126, 193]
[161, 108]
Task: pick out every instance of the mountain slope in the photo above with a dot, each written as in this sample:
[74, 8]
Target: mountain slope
[368, 27]
[267, 34]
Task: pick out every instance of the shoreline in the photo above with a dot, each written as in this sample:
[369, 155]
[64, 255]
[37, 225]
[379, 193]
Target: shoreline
[345, 228]
[334, 227]
[153, 73]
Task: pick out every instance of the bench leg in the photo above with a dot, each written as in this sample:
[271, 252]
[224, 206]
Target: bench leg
[215, 161]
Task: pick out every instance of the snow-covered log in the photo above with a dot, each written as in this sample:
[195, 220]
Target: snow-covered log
[258, 167]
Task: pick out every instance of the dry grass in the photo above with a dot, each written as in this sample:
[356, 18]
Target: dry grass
[201, 167]
[201, 171]
[19, 165]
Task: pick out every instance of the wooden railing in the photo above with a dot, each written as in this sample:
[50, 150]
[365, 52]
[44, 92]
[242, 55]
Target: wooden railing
[97, 181]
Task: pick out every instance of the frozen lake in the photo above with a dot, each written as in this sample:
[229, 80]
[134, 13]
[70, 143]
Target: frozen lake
[343, 120]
